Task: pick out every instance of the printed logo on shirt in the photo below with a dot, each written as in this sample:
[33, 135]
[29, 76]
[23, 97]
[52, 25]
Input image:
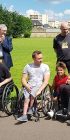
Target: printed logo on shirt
[64, 45]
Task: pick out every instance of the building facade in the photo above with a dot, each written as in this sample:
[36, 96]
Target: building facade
[42, 18]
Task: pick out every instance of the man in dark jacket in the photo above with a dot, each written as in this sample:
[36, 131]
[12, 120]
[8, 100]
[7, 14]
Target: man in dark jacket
[6, 46]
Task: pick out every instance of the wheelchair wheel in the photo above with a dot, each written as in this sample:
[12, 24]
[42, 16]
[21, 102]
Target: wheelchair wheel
[46, 99]
[9, 98]
[19, 104]
[20, 101]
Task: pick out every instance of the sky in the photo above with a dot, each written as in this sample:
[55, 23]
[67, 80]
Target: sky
[56, 9]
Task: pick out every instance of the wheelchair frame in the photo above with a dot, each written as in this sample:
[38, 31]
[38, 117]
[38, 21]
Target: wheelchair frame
[9, 98]
[43, 105]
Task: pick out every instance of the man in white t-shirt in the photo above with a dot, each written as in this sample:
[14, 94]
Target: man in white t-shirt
[38, 75]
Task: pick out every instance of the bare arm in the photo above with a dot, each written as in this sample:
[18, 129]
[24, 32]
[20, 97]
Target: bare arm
[24, 82]
[44, 84]
[5, 81]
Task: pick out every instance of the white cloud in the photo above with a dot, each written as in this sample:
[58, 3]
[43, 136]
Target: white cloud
[31, 11]
[49, 0]
[52, 15]
[11, 8]
[54, 1]
[59, 15]
[67, 12]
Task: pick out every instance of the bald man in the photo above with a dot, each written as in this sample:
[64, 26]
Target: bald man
[61, 45]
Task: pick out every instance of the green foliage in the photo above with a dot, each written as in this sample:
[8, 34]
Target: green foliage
[5, 18]
[1, 14]
[17, 24]
[27, 34]
[27, 25]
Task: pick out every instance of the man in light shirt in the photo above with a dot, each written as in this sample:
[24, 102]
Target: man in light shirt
[38, 75]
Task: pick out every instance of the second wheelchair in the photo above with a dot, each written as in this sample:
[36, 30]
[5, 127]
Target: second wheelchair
[9, 97]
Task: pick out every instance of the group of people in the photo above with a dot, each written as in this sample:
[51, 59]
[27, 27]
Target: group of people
[36, 75]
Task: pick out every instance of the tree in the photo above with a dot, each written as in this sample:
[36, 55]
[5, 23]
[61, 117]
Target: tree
[1, 14]
[17, 24]
[5, 18]
[27, 27]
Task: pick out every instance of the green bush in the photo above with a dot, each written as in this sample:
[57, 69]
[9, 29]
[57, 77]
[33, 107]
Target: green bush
[27, 35]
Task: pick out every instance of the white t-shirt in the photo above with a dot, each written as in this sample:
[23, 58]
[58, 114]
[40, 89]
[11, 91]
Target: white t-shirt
[36, 73]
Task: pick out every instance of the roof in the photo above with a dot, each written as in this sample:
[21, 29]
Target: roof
[46, 26]
[36, 23]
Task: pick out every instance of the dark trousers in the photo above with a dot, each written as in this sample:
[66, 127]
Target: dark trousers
[65, 95]
[67, 65]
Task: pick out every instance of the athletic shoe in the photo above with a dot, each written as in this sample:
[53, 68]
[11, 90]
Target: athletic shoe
[23, 118]
[68, 122]
[51, 113]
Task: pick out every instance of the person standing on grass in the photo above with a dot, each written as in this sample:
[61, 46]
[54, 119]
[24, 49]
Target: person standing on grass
[5, 46]
[61, 45]
[34, 79]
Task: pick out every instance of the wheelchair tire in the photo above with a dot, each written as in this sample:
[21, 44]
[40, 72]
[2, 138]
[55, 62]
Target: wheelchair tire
[9, 98]
[46, 99]
[21, 100]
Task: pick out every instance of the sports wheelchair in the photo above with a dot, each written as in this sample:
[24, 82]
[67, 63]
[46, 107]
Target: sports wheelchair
[9, 97]
[42, 103]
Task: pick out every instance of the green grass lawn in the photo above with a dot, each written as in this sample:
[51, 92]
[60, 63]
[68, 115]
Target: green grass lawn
[22, 51]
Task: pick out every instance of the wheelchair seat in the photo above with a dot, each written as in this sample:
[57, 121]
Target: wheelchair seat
[9, 98]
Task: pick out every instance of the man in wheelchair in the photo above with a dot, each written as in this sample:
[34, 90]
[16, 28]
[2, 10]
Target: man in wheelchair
[34, 79]
[5, 77]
